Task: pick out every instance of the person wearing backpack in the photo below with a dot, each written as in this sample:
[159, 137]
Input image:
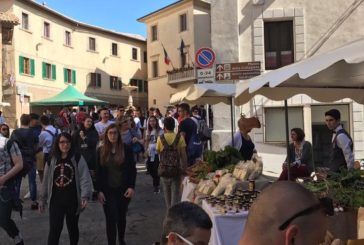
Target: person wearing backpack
[171, 148]
[11, 163]
[66, 189]
[28, 145]
[203, 129]
[46, 139]
[188, 130]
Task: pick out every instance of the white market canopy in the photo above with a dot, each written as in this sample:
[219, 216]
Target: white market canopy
[325, 77]
[206, 93]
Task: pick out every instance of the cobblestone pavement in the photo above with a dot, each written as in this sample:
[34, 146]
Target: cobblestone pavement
[144, 220]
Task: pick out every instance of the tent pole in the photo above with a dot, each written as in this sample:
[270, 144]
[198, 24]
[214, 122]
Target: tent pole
[287, 137]
[208, 124]
[232, 120]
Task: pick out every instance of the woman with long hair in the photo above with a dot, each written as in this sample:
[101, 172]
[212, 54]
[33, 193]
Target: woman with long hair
[67, 187]
[115, 182]
[86, 140]
[299, 157]
[152, 133]
[5, 130]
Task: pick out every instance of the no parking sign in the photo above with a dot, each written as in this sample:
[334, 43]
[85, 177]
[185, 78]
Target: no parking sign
[205, 57]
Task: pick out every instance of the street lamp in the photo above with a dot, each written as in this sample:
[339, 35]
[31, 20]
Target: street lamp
[129, 88]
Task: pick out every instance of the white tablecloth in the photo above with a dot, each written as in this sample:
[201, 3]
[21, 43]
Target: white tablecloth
[228, 228]
[188, 188]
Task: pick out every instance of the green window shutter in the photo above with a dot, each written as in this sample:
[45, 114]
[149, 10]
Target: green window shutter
[44, 69]
[54, 71]
[32, 67]
[21, 64]
[65, 75]
[73, 76]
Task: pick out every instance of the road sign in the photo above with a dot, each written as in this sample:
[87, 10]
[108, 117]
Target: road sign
[205, 73]
[205, 57]
[237, 71]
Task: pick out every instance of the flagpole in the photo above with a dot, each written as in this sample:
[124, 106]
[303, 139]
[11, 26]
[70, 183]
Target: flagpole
[164, 49]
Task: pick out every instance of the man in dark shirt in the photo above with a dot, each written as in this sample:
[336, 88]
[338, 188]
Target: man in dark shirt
[27, 143]
[187, 128]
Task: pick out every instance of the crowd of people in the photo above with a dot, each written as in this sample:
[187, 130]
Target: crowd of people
[81, 156]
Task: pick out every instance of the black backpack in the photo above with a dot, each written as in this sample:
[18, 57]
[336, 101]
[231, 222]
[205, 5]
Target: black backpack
[203, 129]
[54, 136]
[169, 165]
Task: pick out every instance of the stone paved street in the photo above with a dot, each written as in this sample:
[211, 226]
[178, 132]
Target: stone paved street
[144, 220]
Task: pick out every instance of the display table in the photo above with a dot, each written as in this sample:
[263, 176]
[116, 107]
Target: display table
[188, 189]
[228, 228]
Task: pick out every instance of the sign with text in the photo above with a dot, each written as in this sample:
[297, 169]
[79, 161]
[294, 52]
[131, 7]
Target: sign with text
[237, 71]
[205, 73]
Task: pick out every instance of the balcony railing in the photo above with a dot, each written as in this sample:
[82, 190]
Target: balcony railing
[181, 75]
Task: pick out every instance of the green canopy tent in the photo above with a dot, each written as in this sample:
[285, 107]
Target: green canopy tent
[69, 97]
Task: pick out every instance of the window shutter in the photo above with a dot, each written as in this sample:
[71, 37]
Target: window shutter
[44, 68]
[65, 75]
[120, 84]
[98, 81]
[73, 76]
[32, 67]
[54, 71]
[21, 64]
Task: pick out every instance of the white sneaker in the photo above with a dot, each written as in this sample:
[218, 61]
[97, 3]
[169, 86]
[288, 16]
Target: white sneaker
[27, 196]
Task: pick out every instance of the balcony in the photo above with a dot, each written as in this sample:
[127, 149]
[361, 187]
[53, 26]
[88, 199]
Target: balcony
[181, 75]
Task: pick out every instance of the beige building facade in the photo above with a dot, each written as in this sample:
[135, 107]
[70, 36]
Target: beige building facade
[277, 33]
[187, 20]
[48, 51]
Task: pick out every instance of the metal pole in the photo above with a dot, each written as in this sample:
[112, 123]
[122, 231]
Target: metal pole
[208, 124]
[232, 120]
[287, 137]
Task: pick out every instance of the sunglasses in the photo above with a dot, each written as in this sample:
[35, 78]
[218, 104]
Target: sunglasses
[182, 238]
[325, 204]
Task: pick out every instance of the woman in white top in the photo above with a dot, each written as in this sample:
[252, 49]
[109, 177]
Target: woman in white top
[152, 133]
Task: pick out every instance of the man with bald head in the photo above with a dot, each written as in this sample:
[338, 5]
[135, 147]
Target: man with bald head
[285, 213]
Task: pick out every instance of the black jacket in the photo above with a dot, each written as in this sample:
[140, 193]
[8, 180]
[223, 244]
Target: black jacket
[89, 153]
[128, 168]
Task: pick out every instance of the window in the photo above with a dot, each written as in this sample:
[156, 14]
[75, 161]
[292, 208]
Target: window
[114, 49]
[26, 66]
[48, 71]
[69, 76]
[135, 54]
[95, 80]
[275, 130]
[115, 83]
[183, 22]
[145, 57]
[47, 30]
[67, 35]
[92, 44]
[142, 85]
[154, 32]
[155, 69]
[25, 21]
[278, 44]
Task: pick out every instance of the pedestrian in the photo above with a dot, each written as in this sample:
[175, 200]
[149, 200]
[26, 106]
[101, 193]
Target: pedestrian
[152, 133]
[80, 116]
[104, 122]
[171, 113]
[299, 157]
[342, 154]
[28, 145]
[188, 130]
[11, 164]
[115, 182]
[286, 213]
[130, 135]
[242, 141]
[120, 113]
[5, 130]
[175, 161]
[2, 119]
[66, 188]
[47, 138]
[86, 140]
[186, 223]
[39, 156]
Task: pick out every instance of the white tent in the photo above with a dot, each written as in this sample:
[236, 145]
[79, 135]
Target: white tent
[325, 77]
[206, 93]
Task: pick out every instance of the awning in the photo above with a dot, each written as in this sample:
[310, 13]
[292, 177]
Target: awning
[69, 97]
[9, 18]
[207, 93]
[325, 77]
